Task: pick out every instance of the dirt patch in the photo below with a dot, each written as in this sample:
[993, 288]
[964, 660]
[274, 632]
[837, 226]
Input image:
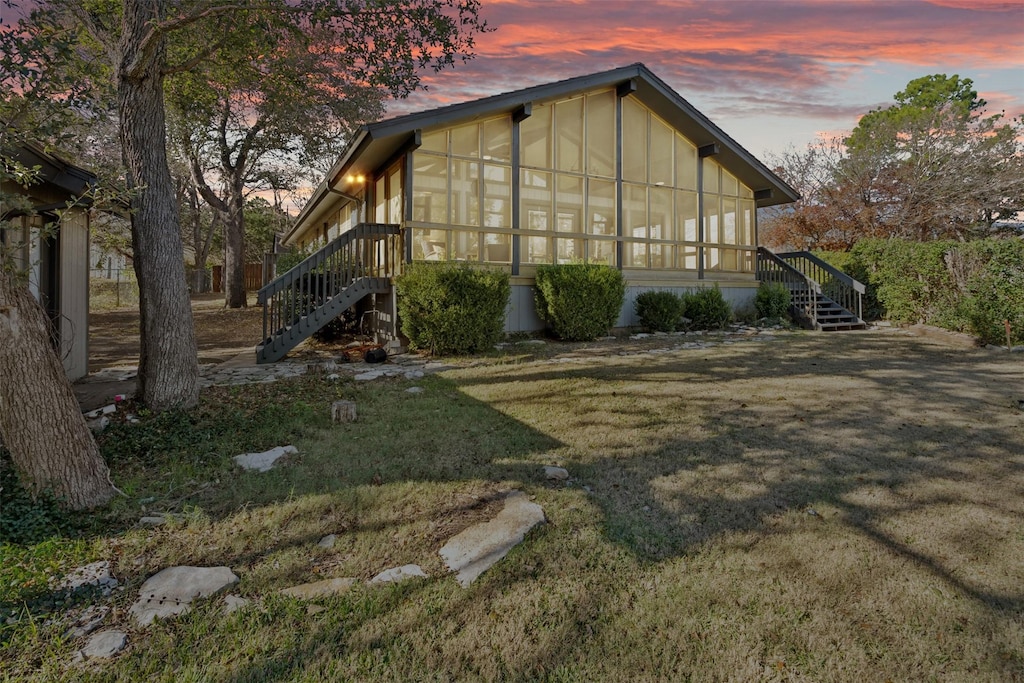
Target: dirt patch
[221, 333]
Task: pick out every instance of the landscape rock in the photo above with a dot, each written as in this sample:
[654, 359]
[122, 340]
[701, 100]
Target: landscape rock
[414, 390]
[328, 541]
[343, 411]
[478, 548]
[103, 645]
[368, 376]
[88, 621]
[396, 574]
[556, 473]
[319, 589]
[99, 424]
[233, 603]
[94, 574]
[172, 591]
[262, 462]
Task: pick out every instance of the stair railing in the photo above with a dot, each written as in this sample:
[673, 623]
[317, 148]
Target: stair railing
[367, 250]
[835, 284]
[803, 289]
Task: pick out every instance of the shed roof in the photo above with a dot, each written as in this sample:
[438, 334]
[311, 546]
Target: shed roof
[378, 142]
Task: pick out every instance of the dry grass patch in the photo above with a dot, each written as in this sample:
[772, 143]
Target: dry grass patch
[823, 507]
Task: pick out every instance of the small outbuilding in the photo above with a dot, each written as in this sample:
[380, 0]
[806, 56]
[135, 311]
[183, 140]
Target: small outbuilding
[50, 242]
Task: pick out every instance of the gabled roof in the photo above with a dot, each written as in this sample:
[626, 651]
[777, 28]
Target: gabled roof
[378, 142]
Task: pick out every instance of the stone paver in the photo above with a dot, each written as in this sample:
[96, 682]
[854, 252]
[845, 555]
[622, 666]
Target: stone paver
[263, 462]
[172, 591]
[103, 645]
[479, 547]
[396, 574]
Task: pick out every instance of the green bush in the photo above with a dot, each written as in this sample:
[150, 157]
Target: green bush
[707, 309]
[659, 311]
[963, 286]
[772, 300]
[580, 301]
[452, 308]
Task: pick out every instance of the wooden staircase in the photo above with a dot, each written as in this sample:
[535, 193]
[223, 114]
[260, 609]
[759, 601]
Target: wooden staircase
[823, 297]
[359, 262]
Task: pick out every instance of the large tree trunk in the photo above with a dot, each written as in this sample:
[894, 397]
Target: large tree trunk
[168, 361]
[40, 420]
[234, 249]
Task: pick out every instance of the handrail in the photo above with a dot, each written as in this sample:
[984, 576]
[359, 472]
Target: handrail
[771, 268]
[369, 250]
[826, 266]
[837, 285]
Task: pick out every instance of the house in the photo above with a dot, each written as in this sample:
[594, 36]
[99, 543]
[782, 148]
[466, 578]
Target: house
[613, 168]
[51, 244]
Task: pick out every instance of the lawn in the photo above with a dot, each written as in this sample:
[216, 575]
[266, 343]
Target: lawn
[821, 507]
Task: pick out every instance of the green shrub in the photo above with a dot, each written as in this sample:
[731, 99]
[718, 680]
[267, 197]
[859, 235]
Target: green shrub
[452, 308]
[580, 301]
[993, 289]
[707, 309]
[772, 300]
[659, 311]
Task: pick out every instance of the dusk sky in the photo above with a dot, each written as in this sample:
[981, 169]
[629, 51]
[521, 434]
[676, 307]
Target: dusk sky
[771, 73]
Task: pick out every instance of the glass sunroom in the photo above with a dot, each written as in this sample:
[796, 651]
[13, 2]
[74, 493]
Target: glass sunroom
[613, 168]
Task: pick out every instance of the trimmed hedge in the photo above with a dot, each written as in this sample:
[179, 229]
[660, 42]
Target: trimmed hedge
[707, 309]
[452, 308]
[579, 301]
[772, 300]
[659, 311]
[962, 286]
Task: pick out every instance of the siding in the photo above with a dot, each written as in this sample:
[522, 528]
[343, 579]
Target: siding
[74, 294]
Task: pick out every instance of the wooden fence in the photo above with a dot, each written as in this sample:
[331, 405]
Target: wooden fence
[253, 277]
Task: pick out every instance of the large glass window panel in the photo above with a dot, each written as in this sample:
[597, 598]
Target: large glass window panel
[498, 139]
[568, 250]
[601, 134]
[712, 258]
[465, 245]
[430, 188]
[634, 210]
[497, 248]
[747, 222]
[688, 257]
[569, 203]
[466, 141]
[686, 164]
[465, 196]
[746, 192]
[395, 213]
[711, 169]
[661, 153]
[435, 142]
[730, 234]
[538, 249]
[535, 138]
[601, 251]
[380, 213]
[569, 135]
[660, 222]
[730, 260]
[601, 207]
[661, 255]
[686, 216]
[497, 196]
[429, 245]
[712, 226]
[730, 186]
[634, 141]
[634, 255]
[536, 194]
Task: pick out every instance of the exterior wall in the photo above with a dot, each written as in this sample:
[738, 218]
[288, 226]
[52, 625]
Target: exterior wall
[74, 293]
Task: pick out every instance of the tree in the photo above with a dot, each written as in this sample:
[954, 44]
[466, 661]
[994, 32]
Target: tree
[930, 166]
[143, 42]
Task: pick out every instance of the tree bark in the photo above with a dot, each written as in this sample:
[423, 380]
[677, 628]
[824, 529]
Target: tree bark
[234, 250]
[40, 420]
[168, 362]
